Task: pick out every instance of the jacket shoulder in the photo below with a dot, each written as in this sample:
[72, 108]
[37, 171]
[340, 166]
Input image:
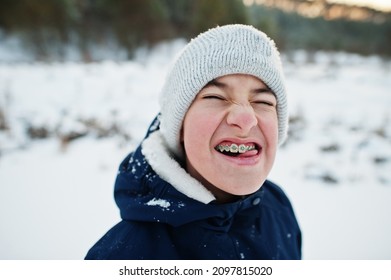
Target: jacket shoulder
[112, 244]
[275, 195]
[132, 240]
[280, 211]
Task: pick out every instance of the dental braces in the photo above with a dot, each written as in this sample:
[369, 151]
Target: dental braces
[234, 148]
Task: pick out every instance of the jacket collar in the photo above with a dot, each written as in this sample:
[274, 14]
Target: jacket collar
[158, 156]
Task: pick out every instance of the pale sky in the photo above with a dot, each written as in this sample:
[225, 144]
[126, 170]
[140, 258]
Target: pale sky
[377, 4]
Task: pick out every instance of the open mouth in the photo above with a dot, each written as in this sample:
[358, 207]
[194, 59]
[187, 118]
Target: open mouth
[237, 150]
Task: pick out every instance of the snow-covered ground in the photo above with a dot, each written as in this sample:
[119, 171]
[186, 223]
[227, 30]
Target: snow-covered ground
[56, 193]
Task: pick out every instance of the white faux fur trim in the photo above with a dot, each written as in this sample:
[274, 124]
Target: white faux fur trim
[158, 156]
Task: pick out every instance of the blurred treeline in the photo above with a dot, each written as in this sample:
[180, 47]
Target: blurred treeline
[48, 27]
[293, 31]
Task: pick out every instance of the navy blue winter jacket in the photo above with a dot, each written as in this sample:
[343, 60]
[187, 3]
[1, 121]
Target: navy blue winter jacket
[160, 222]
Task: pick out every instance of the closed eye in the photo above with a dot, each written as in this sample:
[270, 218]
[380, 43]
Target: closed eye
[264, 102]
[214, 96]
[265, 98]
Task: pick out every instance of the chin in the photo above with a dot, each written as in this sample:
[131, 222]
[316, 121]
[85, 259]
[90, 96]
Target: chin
[249, 189]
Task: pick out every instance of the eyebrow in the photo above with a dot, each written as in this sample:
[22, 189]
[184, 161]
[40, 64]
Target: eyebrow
[218, 84]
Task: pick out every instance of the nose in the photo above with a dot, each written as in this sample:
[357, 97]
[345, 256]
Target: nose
[242, 116]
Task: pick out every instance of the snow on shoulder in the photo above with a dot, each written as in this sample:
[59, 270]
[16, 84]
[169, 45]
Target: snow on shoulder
[159, 202]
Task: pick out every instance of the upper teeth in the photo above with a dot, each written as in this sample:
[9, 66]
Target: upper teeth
[234, 148]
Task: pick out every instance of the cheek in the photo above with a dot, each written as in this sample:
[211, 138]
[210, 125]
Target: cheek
[198, 128]
[269, 120]
[270, 132]
[268, 124]
[271, 128]
[198, 125]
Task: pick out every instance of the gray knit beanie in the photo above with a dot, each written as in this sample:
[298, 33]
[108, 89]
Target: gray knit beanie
[229, 49]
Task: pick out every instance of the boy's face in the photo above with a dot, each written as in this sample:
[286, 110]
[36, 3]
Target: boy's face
[230, 135]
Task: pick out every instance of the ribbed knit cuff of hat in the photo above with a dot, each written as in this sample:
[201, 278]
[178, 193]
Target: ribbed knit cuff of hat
[229, 49]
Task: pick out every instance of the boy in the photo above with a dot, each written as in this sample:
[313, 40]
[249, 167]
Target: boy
[196, 187]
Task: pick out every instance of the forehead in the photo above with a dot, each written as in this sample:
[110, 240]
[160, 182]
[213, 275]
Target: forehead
[239, 80]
